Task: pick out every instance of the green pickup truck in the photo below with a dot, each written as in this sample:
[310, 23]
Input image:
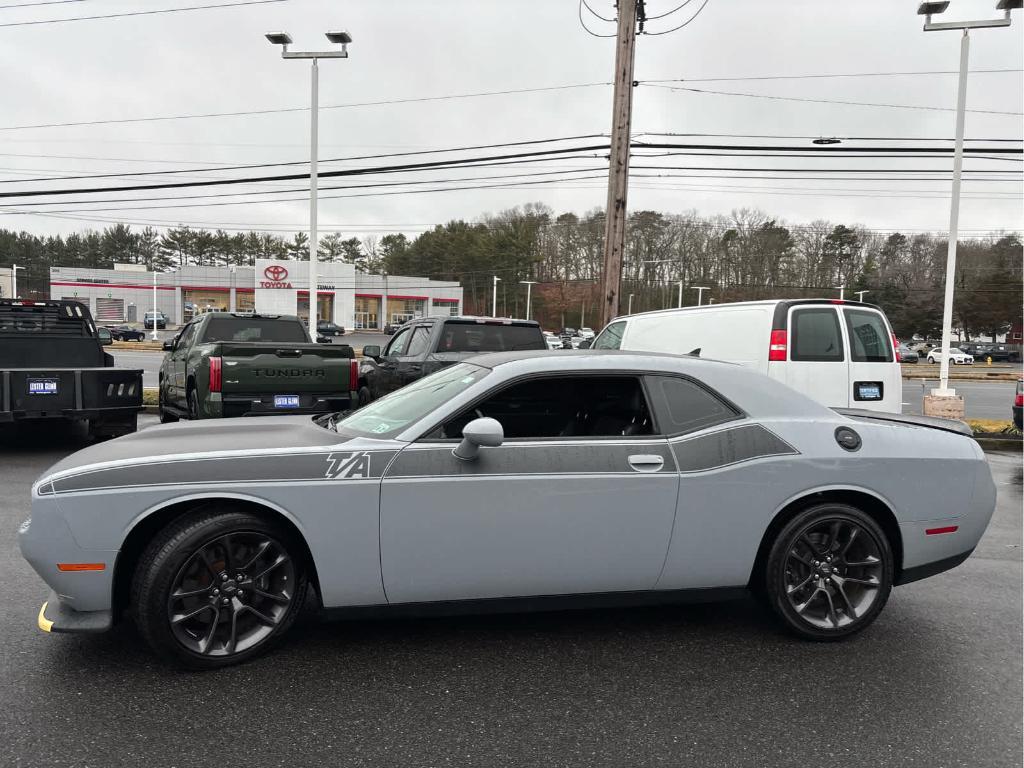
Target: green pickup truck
[226, 364]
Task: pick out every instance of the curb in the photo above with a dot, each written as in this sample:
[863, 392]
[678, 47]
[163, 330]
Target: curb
[1014, 444]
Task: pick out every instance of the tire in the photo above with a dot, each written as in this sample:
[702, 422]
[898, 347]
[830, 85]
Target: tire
[192, 400]
[165, 417]
[364, 396]
[841, 595]
[189, 556]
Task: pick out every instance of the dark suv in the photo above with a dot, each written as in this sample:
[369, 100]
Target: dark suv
[428, 344]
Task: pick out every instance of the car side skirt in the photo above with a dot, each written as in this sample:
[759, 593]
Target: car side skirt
[918, 572]
[537, 604]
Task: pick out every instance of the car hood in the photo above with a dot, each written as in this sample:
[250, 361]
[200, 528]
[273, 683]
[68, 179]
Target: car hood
[228, 436]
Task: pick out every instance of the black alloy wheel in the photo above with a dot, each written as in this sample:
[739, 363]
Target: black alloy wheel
[192, 400]
[217, 588]
[830, 572]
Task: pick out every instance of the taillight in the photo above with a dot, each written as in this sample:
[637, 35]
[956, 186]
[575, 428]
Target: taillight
[896, 347]
[353, 375]
[1019, 400]
[215, 374]
[777, 346]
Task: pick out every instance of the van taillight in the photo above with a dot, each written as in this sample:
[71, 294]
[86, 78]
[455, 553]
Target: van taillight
[1018, 400]
[353, 375]
[896, 347]
[777, 346]
[215, 374]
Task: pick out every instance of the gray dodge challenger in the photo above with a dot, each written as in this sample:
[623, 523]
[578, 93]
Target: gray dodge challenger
[513, 481]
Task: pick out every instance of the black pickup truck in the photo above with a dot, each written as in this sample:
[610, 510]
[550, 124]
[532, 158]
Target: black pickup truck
[53, 366]
[423, 346]
[224, 364]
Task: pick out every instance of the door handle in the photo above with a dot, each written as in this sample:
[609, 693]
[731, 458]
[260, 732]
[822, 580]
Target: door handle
[646, 462]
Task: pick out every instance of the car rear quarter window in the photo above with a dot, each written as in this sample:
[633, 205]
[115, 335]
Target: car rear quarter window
[489, 337]
[870, 341]
[816, 336]
[684, 405]
[611, 337]
[419, 341]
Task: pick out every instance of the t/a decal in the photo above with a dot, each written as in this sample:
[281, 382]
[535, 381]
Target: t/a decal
[353, 464]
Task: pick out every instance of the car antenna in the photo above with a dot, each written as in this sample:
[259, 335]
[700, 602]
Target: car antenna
[694, 352]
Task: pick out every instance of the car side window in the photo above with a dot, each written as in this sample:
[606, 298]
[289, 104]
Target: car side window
[611, 337]
[685, 406]
[185, 337]
[418, 342]
[398, 343]
[563, 407]
[816, 335]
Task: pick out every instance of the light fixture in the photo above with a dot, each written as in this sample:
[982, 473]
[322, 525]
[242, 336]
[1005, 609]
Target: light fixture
[1009, 5]
[340, 38]
[827, 140]
[279, 38]
[932, 8]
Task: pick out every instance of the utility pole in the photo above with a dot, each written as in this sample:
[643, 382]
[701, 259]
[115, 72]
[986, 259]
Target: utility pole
[494, 297]
[618, 160]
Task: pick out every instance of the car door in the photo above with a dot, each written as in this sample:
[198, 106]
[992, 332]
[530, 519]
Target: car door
[385, 375]
[579, 498]
[411, 360]
[178, 362]
[876, 381]
[818, 365]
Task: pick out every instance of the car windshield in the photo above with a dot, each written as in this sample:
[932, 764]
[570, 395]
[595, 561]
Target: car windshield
[391, 414]
[956, 351]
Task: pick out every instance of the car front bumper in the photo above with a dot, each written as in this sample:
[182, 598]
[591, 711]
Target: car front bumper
[56, 616]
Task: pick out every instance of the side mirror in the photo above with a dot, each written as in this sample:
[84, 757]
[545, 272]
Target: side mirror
[479, 433]
[168, 346]
[372, 350]
[585, 344]
[104, 335]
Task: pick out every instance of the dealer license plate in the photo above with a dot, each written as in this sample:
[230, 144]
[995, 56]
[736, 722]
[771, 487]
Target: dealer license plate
[42, 386]
[868, 390]
[286, 401]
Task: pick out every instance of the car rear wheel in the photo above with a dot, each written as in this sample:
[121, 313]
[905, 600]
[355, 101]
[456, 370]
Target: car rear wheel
[192, 400]
[165, 416]
[218, 587]
[364, 396]
[829, 572]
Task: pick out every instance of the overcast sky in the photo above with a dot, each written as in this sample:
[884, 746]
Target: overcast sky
[218, 61]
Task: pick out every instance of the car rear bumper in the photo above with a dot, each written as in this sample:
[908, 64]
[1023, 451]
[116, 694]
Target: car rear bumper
[263, 405]
[56, 616]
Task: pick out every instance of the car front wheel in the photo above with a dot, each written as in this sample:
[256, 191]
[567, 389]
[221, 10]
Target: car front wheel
[829, 572]
[218, 587]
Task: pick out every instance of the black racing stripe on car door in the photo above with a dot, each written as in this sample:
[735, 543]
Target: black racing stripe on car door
[729, 446]
[327, 465]
[528, 458]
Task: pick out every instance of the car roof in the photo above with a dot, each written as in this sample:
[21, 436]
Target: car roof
[787, 303]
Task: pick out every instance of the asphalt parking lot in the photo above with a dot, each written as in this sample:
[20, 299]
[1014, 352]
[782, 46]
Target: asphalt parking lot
[936, 681]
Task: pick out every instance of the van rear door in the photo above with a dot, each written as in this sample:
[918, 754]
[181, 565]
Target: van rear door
[818, 364]
[876, 382]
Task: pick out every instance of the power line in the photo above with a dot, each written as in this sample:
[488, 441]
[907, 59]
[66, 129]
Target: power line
[827, 101]
[685, 23]
[283, 110]
[669, 13]
[830, 75]
[138, 13]
[598, 15]
[34, 5]
[583, 24]
[810, 138]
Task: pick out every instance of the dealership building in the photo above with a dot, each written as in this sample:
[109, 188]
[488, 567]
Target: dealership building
[344, 296]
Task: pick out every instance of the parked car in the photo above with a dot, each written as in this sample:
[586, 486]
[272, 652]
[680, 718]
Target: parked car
[553, 341]
[159, 317]
[390, 329]
[1002, 353]
[921, 348]
[586, 333]
[330, 329]
[53, 367]
[244, 364]
[423, 346]
[125, 333]
[1018, 404]
[842, 354]
[956, 355]
[510, 481]
[907, 355]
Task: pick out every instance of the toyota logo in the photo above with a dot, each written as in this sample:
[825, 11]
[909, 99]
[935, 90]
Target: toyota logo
[275, 273]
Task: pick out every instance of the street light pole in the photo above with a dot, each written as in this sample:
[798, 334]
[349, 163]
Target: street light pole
[680, 301]
[629, 310]
[842, 292]
[700, 292]
[929, 9]
[529, 284]
[14, 280]
[494, 297]
[154, 336]
[860, 295]
[284, 40]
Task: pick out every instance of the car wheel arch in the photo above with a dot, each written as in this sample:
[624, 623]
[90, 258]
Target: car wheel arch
[147, 524]
[878, 508]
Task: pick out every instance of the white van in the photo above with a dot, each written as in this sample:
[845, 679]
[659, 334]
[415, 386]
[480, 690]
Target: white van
[842, 354]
